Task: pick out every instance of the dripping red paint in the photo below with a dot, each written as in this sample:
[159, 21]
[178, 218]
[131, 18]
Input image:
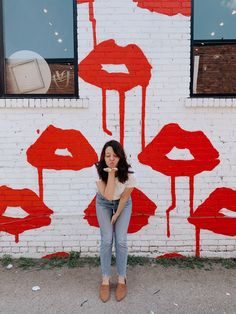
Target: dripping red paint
[205, 157]
[38, 213]
[208, 215]
[139, 73]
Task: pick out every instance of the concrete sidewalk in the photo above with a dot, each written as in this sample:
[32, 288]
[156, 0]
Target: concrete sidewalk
[152, 289]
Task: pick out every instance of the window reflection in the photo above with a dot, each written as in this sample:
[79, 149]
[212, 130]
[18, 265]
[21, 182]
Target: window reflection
[39, 46]
[214, 19]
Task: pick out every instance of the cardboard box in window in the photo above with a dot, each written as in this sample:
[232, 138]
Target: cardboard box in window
[25, 77]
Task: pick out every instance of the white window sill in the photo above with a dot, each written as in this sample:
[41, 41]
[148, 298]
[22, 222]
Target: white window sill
[210, 102]
[44, 103]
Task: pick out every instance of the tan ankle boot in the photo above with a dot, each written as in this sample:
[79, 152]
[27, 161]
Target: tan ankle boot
[104, 292]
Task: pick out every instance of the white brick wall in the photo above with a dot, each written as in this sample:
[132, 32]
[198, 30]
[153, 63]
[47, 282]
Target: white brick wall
[166, 43]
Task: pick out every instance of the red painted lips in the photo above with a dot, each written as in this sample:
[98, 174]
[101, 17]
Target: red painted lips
[107, 52]
[139, 73]
[171, 135]
[142, 209]
[42, 153]
[167, 7]
[207, 215]
[29, 201]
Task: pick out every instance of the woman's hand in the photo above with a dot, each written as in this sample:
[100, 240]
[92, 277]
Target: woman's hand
[110, 169]
[114, 218]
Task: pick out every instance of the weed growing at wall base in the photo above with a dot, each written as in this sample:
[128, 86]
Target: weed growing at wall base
[75, 260]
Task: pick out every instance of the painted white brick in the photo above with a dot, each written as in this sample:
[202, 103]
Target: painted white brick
[165, 41]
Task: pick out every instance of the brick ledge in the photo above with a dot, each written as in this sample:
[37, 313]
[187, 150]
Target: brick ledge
[210, 102]
[44, 103]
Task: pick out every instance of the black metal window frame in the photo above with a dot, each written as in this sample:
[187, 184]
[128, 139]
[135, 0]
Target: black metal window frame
[200, 43]
[4, 95]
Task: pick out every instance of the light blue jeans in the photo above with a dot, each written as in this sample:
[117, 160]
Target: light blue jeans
[118, 231]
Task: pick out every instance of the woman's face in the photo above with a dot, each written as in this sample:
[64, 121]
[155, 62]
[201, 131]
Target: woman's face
[111, 159]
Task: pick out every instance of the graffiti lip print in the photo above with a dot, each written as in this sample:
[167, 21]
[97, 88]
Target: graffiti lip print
[166, 7]
[108, 52]
[208, 216]
[84, 1]
[42, 154]
[142, 209]
[38, 212]
[172, 135]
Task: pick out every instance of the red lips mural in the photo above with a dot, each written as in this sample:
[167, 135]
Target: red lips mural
[142, 209]
[167, 7]
[38, 212]
[171, 136]
[91, 18]
[208, 216]
[42, 154]
[139, 73]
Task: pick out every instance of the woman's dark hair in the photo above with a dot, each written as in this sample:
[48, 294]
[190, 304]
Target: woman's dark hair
[123, 166]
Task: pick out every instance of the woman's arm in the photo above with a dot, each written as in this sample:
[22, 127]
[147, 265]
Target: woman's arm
[107, 190]
[124, 197]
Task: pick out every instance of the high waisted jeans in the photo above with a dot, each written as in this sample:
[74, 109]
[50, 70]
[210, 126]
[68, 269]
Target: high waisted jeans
[118, 231]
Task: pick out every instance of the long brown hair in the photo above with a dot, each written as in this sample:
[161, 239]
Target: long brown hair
[123, 166]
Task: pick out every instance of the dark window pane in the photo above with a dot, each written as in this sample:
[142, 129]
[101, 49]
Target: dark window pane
[214, 69]
[62, 78]
[214, 19]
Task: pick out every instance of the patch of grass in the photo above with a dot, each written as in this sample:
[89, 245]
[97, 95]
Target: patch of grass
[91, 261]
[6, 260]
[228, 263]
[26, 263]
[190, 262]
[139, 260]
[55, 262]
[75, 260]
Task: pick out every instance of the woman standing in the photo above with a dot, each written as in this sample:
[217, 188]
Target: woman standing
[115, 183]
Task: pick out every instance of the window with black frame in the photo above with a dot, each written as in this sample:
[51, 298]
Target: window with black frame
[38, 51]
[213, 48]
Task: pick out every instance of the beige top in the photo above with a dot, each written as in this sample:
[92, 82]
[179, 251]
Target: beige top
[119, 187]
